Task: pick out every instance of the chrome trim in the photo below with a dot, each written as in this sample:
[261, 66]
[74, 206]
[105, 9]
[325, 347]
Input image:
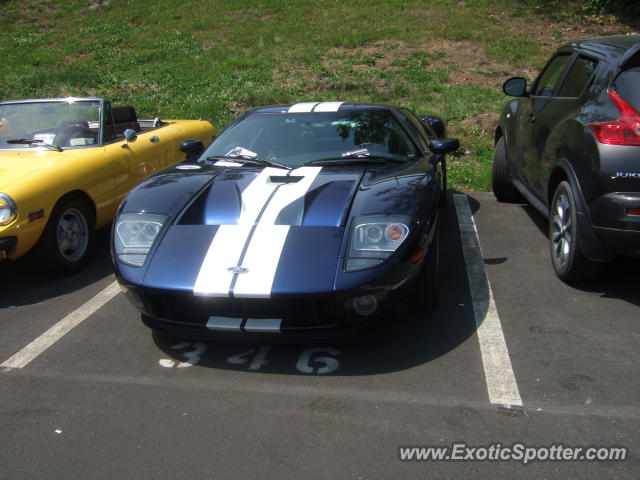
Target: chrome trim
[12, 206]
[41, 149]
[54, 100]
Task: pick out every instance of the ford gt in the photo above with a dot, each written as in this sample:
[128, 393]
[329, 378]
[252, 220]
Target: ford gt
[307, 220]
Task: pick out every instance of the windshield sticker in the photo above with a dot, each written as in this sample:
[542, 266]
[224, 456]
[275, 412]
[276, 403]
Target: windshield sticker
[241, 152]
[45, 137]
[226, 163]
[80, 142]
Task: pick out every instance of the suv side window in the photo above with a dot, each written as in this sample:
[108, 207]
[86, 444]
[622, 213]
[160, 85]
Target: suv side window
[578, 78]
[549, 81]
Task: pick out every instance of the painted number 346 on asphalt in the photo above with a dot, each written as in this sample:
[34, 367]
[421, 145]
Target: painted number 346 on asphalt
[313, 360]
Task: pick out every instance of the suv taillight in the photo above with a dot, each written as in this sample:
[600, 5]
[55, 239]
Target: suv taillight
[625, 130]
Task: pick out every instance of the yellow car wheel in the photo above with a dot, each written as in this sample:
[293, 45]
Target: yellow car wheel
[67, 241]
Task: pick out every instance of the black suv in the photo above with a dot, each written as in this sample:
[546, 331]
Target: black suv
[570, 144]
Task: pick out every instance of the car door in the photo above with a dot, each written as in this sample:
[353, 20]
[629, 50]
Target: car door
[561, 109]
[138, 158]
[555, 97]
[534, 112]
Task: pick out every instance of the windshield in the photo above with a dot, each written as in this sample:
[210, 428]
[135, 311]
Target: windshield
[37, 124]
[293, 139]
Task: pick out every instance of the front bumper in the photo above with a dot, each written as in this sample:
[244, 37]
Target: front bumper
[291, 318]
[615, 227]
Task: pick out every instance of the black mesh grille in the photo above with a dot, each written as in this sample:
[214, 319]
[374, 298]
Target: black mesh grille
[307, 311]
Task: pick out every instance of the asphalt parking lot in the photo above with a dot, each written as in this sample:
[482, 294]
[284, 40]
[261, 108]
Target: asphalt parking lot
[536, 362]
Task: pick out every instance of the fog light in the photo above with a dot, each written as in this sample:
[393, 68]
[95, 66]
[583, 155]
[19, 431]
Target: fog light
[365, 305]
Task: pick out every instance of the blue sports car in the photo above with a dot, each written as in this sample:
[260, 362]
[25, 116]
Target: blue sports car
[297, 222]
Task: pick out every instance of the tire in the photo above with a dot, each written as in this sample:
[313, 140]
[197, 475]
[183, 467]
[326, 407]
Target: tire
[567, 258]
[424, 291]
[503, 189]
[68, 239]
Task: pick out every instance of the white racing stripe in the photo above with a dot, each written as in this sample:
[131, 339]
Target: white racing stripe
[265, 250]
[328, 107]
[255, 196]
[305, 107]
[55, 333]
[262, 258]
[308, 107]
[501, 381]
[265, 243]
[214, 278]
[289, 193]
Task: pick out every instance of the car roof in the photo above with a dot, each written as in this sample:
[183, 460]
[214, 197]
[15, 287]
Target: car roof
[310, 107]
[617, 47]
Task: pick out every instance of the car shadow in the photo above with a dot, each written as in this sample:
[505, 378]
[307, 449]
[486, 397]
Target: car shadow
[26, 282]
[619, 279]
[404, 340]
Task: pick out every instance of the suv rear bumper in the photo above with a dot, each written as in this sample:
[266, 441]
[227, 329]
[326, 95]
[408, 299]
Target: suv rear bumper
[618, 230]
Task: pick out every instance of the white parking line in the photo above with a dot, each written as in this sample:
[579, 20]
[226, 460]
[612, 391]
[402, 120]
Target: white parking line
[501, 381]
[55, 333]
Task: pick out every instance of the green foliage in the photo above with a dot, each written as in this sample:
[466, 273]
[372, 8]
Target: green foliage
[214, 59]
[616, 7]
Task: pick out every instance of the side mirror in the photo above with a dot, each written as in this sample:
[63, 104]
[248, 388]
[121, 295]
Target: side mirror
[193, 148]
[435, 123]
[444, 145]
[515, 87]
[130, 135]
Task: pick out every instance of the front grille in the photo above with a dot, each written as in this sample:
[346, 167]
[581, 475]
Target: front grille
[308, 311]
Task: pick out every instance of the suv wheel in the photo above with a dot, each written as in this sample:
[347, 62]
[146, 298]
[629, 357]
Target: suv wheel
[567, 258]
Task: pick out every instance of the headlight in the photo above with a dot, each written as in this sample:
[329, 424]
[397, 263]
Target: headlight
[8, 209]
[134, 236]
[374, 238]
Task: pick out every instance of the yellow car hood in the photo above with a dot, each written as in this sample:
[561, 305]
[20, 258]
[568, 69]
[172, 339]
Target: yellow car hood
[17, 166]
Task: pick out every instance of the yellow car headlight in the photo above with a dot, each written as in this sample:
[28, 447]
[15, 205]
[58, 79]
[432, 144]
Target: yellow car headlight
[8, 209]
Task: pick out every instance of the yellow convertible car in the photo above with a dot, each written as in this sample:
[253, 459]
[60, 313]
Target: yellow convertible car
[65, 165]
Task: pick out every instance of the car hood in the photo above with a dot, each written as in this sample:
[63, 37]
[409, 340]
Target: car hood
[258, 232]
[16, 166]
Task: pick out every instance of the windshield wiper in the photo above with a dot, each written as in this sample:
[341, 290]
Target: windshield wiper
[351, 159]
[26, 141]
[248, 159]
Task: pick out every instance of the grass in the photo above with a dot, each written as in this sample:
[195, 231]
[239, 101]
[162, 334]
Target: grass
[213, 59]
